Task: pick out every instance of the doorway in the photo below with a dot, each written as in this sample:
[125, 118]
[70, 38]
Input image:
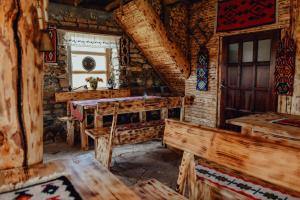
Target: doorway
[247, 79]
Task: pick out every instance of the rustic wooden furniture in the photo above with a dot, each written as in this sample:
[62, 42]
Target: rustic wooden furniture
[90, 179]
[91, 105]
[154, 190]
[68, 97]
[142, 131]
[255, 159]
[247, 80]
[266, 126]
[61, 97]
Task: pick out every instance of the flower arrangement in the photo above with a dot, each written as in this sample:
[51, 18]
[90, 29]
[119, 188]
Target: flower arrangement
[93, 82]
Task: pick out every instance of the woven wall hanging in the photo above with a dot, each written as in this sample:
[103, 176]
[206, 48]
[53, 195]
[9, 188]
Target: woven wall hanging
[50, 56]
[285, 66]
[240, 14]
[124, 51]
[202, 69]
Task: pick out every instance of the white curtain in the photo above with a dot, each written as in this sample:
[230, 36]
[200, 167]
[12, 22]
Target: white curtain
[88, 39]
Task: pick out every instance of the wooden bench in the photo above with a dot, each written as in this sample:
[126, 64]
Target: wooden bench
[105, 138]
[154, 190]
[232, 166]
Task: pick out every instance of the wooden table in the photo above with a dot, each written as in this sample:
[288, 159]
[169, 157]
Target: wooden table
[90, 179]
[82, 107]
[267, 126]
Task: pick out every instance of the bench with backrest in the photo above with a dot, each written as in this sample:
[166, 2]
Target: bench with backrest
[220, 164]
[105, 138]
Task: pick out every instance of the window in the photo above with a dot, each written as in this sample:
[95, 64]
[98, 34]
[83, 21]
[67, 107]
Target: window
[89, 62]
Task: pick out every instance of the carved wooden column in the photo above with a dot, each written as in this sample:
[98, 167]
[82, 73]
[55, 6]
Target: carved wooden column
[21, 84]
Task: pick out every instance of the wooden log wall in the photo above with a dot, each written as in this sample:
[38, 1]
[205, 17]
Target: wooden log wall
[206, 107]
[21, 125]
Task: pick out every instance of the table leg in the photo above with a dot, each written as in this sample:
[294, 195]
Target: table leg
[70, 126]
[70, 132]
[246, 131]
[164, 112]
[142, 116]
[83, 136]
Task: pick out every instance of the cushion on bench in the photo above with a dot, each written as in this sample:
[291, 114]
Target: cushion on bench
[237, 182]
[154, 190]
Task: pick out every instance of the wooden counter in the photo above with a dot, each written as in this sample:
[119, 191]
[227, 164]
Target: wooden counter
[264, 125]
[90, 94]
[89, 178]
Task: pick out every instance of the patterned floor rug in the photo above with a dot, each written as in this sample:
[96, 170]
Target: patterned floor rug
[56, 189]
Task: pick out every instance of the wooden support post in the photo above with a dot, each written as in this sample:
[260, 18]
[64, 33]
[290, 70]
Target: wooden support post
[21, 77]
[83, 136]
[183, 171]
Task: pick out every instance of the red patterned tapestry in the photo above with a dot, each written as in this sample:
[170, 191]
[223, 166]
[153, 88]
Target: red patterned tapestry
[240, 14]
[50, 56]
[285, 66]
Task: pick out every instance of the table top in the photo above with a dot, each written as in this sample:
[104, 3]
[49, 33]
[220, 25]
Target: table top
[94, 102]
[267, 123]
[89, 178]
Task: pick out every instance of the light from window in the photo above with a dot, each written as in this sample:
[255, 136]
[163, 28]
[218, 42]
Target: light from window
[79, 74]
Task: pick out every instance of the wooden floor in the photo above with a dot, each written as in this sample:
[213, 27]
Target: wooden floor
[131, 163]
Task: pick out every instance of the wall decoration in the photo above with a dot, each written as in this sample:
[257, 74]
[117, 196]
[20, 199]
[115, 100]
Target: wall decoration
[202, 69]
[203, 37]
[240, 14]
[285, 66]
[88, 63]
[124, 51]
[50, 56]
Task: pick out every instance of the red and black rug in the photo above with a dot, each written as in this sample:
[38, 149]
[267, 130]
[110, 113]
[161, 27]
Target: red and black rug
[240, 14]
[57, 189]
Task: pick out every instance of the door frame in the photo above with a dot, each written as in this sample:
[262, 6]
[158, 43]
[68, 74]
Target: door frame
[275, 34]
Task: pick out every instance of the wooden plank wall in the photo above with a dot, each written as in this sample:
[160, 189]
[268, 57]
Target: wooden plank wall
[21, 74]
[205, 109]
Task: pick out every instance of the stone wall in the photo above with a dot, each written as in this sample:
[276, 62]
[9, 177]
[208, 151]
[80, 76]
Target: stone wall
[82, 19]
[56, 79]
[205, 110]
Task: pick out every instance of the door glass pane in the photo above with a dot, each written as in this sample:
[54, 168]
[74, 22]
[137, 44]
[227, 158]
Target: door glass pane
[233, 52]
[264, 50]
[248, 51]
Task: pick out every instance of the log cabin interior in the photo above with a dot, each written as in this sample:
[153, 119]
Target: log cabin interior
[150, 99]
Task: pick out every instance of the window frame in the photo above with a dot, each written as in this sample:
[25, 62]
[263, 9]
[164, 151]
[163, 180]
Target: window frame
[107, 55]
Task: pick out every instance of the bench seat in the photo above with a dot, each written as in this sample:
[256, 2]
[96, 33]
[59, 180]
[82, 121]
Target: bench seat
[154, 190]
[130, 133]
[235, 185]
[123, 134]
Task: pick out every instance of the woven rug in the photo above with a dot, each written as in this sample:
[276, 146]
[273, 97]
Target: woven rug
[57, 189]
[240, 14]
[239, 185]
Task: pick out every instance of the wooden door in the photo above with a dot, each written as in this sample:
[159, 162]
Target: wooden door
[248, 75]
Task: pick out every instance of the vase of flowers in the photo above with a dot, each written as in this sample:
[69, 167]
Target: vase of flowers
[93, 82]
